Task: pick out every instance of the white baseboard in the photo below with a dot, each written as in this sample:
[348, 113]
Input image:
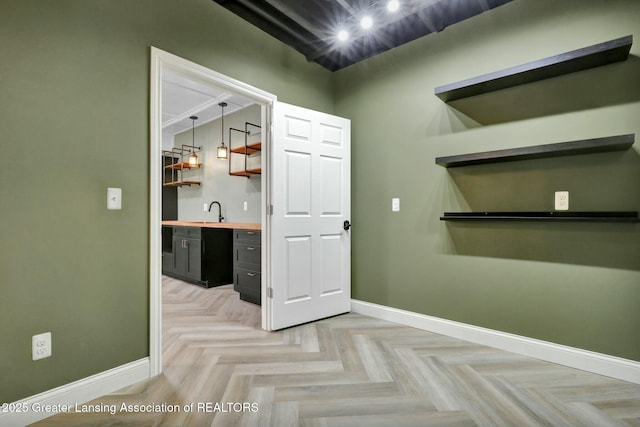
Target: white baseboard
[29, 410]
[598, 363]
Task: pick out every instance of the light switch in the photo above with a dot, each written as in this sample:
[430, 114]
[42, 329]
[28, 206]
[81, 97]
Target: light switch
[114, 198]
[395, 204]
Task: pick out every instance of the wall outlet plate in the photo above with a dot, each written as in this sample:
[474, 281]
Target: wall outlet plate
[562, 201]
[395, 204]
[41, 346]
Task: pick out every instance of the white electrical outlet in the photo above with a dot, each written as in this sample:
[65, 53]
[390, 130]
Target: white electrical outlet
[206, 207]
[395, 204]
[41, 346]
[562, 201]
[245, 205]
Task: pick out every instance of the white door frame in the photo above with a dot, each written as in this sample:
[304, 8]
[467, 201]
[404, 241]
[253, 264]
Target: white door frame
[161, 60]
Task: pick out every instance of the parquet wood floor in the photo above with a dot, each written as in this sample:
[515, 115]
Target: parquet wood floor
[350, 370]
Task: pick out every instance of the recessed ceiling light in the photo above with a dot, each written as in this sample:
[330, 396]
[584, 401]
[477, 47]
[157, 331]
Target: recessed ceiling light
[366, 22]
[393, 5]
[343, 35]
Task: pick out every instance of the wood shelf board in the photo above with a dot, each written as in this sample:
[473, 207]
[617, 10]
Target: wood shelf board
[209, 224]
[576, 60]
[248, 149]
[585, 146]
[180, 183]
[248, 172]
[182, 165]
[566, 216]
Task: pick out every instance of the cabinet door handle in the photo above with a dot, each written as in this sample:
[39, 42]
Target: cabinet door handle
[251, 274]
[251, 248]
[251, 233]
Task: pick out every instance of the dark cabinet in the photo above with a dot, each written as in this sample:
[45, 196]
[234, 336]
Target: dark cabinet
[187, 256]
[167, 250]
[217, 256]
[247, 264]
[198, 255]
[169, 194]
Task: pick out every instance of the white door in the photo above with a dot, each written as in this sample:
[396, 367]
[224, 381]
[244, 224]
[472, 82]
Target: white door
[311, 197]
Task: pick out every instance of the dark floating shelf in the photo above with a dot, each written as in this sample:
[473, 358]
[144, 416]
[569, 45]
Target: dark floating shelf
[564, 216]
[576, 60]
[584, 146]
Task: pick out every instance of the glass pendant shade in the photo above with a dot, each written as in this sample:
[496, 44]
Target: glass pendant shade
[193, 157]
[223, 152]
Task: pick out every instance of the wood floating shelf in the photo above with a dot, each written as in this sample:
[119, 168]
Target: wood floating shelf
[576, 60]
[562, 216]
[182, 166]
[247, 173]
[181, 183]
[248, 149]
[585, 146]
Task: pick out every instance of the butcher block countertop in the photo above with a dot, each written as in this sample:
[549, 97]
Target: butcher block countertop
[207, 224]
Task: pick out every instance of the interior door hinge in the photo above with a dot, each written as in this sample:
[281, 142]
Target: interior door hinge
[270, 210]
[269, 292]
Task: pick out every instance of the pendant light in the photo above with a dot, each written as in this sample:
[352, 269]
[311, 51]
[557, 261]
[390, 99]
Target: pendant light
[193, 157]
[223, 150]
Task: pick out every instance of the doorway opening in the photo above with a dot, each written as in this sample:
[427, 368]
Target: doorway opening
[164, 67]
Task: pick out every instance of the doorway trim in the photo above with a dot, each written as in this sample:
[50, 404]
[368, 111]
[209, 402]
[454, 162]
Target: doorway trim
[161, 60]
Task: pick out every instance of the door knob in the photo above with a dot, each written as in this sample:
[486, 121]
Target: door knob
[346, 225]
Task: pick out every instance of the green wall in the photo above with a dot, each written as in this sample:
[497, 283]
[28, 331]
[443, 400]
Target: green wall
[570, 283]
[74, 116]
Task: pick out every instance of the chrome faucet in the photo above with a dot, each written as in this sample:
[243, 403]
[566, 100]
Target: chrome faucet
[220, 217]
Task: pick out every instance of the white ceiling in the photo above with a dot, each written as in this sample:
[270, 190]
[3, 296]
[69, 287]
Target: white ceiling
[183, 97]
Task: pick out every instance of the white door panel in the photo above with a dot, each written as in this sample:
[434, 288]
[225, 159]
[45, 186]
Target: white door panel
[332, 263]
[310, 193]
[298, 181]
[331, 186]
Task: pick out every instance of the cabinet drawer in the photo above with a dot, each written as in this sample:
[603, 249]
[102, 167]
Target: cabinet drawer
[247, 236]
[247, 280]
[246, 256]
[247, 283]
[195, 232]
